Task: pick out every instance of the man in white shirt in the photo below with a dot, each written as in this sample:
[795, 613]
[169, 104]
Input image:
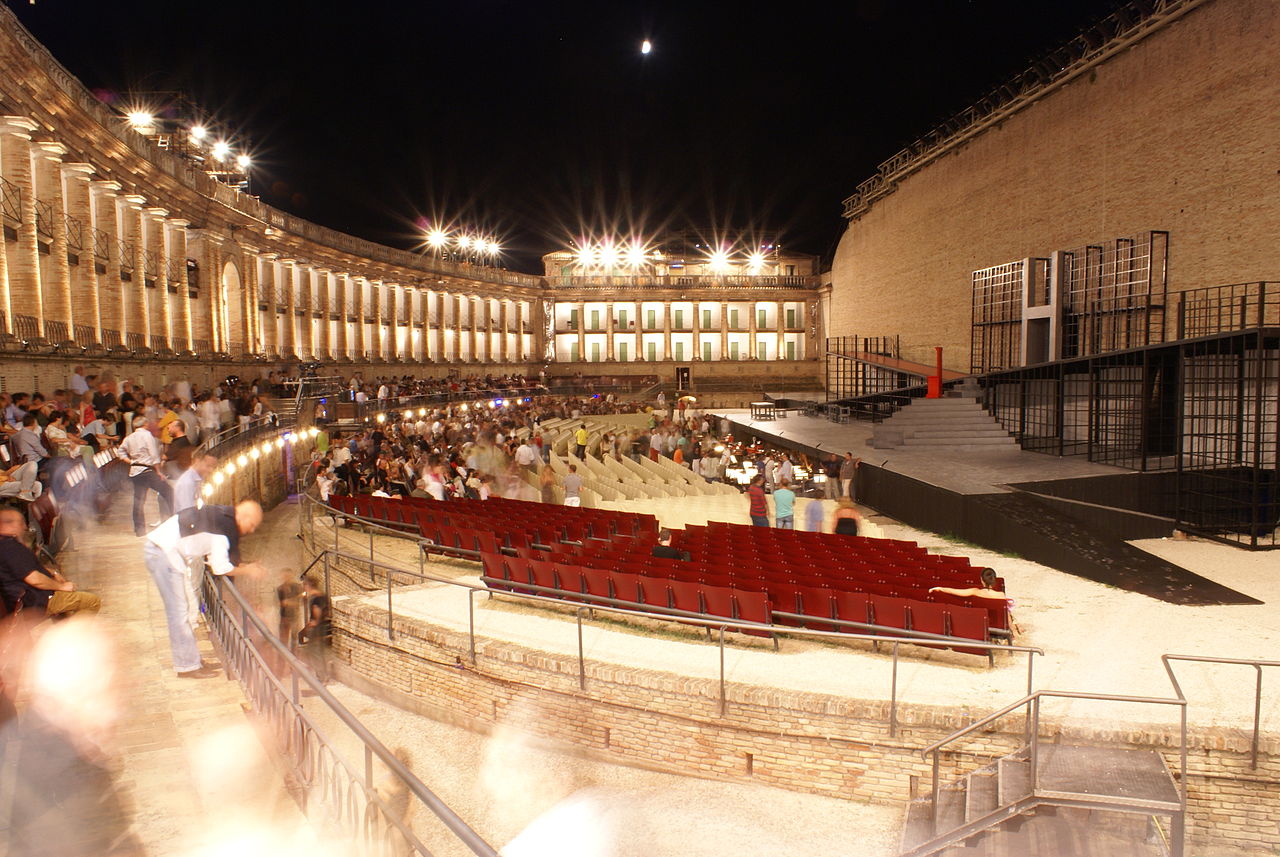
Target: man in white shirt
[525, 456]
[142, 450]
[78, 384]
[211, 534]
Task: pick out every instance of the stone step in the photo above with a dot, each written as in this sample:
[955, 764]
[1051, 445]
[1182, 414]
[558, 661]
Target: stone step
[961, 441]
[919, 425]
[988, 430]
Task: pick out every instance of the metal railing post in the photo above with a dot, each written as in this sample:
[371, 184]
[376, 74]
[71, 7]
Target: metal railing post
[1257, 718]
[391, 615]
[471, 622]
[893, 696]
[933, 807]
[582, 663]
[724, 700]
[328, 590]
[1035, 743]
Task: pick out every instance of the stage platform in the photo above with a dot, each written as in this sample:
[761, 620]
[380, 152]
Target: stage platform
[1066, 512]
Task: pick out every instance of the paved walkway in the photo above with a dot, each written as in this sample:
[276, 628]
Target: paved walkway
[186, 757]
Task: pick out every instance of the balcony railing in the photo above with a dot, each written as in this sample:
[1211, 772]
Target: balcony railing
[10, 201]
[44, 219]
[126, 256]
[101, 246]
[75, 233]
[655, 281]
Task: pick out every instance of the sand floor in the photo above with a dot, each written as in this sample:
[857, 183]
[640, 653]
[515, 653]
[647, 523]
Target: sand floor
[1095, 638]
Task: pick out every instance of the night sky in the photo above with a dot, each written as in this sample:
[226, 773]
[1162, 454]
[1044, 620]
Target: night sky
[542, 122]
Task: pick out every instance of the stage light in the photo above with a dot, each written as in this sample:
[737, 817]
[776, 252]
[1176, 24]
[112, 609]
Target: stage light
[382, 418]
[279, 443]
[207, 491]
[718, 260]
[266, 447]
[464, 242]
[139, 119]
[755, 262]
[219, 478]
[493, 248]
[255, 453]
[437, 238]
[608, 255]
[587, 255]
[242, 460]
[230, 468]
[221, 149]
[243, 161]
[198, 133]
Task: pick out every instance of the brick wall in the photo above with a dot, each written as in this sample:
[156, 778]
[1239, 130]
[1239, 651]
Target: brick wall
[1178, 133]
[805, 742]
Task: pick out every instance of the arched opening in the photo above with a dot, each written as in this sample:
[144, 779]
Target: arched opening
[234, 332]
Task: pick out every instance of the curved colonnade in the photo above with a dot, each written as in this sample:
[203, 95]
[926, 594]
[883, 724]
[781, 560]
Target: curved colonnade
[119, 247]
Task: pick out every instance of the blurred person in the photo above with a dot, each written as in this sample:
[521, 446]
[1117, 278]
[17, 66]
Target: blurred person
[815, 515]
[141, 449]
[77, 383]
[179, 451]
[26, 582]
[572, 487]
[26, 444]
[20, 481]
[211, 534]
[186, 491]
[317, 629]
[847, 519]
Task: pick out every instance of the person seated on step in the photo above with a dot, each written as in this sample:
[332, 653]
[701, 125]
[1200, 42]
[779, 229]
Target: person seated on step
[24, 581]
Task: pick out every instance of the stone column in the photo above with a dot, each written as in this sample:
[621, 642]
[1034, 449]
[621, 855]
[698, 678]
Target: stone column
[375, 308]
[340, 299]
[56, 287]
[520, 322]
[779, 318]
[24, 296]
[325, 339]
[608, 332]
[437, 333]
[182, 305]
[480, 328]
[307, 303]
[394, 295]
[84, 285]
[267, 290]
[105, 220]
[423, 298]
[358, 283]
[289, 333]
[158, 315]
[136, 320]
[456, 300]
[212, 295]
[504, 331]
[582, 332]
[666, 330]
[724, 330]
[752, 351]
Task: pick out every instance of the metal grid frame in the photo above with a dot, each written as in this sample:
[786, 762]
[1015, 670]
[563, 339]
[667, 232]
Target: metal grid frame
[996, 325]
[848, 376]
[1113, 295]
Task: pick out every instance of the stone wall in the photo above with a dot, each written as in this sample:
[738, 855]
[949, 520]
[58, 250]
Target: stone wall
[1177, 133]
[804, 742]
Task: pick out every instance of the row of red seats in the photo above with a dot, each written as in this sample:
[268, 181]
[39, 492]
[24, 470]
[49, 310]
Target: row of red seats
[739, 600]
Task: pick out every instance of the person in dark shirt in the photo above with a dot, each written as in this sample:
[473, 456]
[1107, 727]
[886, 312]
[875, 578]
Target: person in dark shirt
[24, 581]
[317, 632]
[104, 400]
[664, 549]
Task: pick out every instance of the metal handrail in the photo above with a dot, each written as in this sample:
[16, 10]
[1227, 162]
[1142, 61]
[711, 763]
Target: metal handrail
[255, 671]
[1256, 663]
[611, 605]
[1032, 702]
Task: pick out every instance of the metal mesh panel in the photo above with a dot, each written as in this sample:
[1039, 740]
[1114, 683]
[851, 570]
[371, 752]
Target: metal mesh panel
[1114, 294]
[996, 333]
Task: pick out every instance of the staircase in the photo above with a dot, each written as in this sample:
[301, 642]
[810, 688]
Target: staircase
[956, 420]
[1085, 801]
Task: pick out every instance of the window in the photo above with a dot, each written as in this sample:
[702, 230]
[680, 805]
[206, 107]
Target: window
[652, 350]
[651, 319]
[622, 319]
[622, 352]
[733, 350]
[706, 319]
[679, 319]
[595, 319]
[573, 352]
[791, 317]
[573, 319]
[762, 351]
[791, 350]
[791, 270]
[679, 351]
[706, 351]
[762, 318]
[595, 352]
[733, 319]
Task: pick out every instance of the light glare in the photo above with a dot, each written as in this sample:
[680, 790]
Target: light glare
[646, 47]
[198, 132]
[221, 149]
[139, 119]
[243, 161]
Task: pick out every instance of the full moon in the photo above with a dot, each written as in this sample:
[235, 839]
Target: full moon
[646, 46]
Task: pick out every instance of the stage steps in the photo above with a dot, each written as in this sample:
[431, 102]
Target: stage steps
[1089, 801]
[953, 421]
